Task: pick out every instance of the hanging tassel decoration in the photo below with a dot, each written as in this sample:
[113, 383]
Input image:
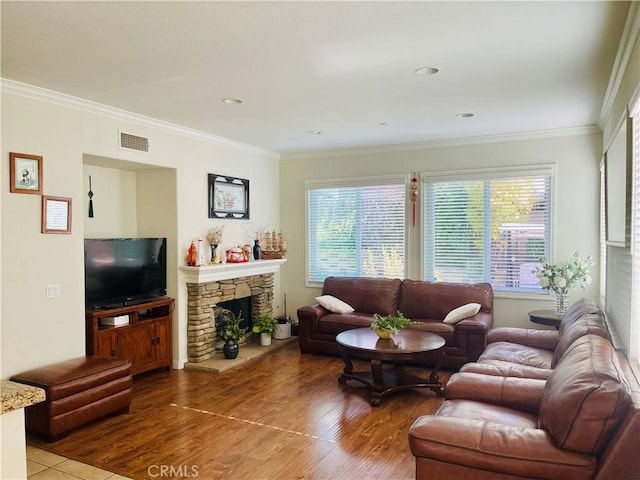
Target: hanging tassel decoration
[90, 199]
[414, 196]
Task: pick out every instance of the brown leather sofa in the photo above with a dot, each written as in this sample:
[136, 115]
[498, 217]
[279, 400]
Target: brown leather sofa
[420, 301]
[78, 391]
[582, 422]
[531, 353]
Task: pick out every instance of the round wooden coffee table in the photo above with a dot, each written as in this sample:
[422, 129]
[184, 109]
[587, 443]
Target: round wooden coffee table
[407, 347]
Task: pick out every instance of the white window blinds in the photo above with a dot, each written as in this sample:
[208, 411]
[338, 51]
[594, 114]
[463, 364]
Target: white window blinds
[356, 228]
[487, 227]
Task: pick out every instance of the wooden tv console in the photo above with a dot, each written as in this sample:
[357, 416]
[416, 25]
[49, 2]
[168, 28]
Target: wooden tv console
[145, 340]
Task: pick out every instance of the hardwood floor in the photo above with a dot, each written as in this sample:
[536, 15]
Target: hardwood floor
[282, 416]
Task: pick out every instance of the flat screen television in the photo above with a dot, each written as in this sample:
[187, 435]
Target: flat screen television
[124, 271]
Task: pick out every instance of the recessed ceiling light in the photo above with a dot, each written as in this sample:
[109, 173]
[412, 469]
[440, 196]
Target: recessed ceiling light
[314, 132]
[231, 101]
[426, 71]
[465, 115]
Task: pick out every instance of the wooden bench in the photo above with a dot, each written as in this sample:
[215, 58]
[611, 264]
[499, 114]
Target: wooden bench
[78, 391]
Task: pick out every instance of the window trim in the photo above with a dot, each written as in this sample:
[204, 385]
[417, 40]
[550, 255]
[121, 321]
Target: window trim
[355, 182]
[490, 174]
[633, 354]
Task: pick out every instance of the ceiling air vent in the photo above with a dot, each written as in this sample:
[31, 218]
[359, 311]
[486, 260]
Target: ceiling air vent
[133, 142]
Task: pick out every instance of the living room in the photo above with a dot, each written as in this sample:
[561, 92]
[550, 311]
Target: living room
[163, 192]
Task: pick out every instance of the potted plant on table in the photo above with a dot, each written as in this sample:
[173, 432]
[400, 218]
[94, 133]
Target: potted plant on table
[231, 332]
[265, 324]
[386, 326]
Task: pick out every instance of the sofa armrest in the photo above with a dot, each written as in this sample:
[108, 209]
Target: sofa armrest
[312, 312]
[475, 330]
[481, 322]
[524, 394]
[493, 447]
[545, 339]
[308, 317]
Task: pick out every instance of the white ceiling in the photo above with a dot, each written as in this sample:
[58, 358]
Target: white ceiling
[343, 68]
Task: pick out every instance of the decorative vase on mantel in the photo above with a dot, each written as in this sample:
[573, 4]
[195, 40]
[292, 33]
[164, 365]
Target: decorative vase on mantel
[213, 252]
[561, 302]
[256, 250]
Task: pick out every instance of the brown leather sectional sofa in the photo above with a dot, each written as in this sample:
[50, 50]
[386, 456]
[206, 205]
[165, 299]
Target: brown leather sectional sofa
[538, 404]
[532, 353]
[426, 302]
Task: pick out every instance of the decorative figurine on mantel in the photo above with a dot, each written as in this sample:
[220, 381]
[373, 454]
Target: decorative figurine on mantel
[192, 255]
[275, 246]
[214, 237]
[236, 255]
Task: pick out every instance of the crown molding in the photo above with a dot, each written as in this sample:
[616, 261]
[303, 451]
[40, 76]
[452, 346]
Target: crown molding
[38, 93]
[449, 142]
[625, 47]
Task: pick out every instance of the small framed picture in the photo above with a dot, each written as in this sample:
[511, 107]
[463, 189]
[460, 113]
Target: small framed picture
[228, 197]
[56, 214]
[25, 173]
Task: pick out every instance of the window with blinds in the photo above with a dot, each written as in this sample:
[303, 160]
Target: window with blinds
[487, 227]
[356, 228]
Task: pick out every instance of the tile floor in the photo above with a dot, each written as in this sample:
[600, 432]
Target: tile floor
[42, 465]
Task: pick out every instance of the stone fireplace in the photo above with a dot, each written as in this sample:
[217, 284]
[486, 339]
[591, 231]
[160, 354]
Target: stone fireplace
[208, 286]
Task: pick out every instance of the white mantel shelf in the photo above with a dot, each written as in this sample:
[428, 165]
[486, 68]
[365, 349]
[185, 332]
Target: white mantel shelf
[228, 271]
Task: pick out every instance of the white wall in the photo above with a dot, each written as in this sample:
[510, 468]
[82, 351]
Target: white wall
[576, 195]
[114, 202]
[38, 331]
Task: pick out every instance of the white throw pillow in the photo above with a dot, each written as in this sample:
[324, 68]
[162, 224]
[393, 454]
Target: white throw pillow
[334, 304]
[460, 313]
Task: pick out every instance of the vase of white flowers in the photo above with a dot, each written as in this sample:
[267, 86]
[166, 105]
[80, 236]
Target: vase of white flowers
[563, 277]
[561, 303]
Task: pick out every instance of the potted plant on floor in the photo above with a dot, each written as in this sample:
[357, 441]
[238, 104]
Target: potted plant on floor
[231, 332]
[265, 324]
[283, 328]
[387, 326]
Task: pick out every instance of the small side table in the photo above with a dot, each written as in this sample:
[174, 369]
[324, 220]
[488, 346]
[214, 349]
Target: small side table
[545, 317]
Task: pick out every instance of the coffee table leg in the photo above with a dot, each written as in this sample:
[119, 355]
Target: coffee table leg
[348, 368]
[434, 379]
[377, 386]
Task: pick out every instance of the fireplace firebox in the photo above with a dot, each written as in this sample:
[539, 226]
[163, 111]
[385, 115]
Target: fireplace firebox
[239, 307]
